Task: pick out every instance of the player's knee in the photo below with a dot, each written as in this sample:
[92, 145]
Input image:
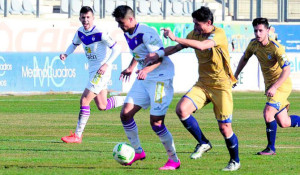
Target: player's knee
[84, 102]
[283, 124]
[225, 129]
[101, 108]
[180, 112]
[125, 115]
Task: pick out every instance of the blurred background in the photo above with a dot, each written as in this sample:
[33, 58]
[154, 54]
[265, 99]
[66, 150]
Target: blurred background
[34, 32]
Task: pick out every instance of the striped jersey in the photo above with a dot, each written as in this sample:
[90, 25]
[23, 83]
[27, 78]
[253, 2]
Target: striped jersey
[96, 45]
[143, 41]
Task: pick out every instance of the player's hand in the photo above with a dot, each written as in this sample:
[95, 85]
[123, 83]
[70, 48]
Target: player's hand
[234, 85]
[102, 69]
[151, 58]
[168, 34]
[125, 75]
[271, 91]
[63, 57]
[142, 74]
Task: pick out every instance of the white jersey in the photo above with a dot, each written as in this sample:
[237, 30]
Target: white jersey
[96, 44]
[143, 41]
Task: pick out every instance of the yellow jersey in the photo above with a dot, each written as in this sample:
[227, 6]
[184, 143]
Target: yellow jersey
[214, 63]
[272, 59]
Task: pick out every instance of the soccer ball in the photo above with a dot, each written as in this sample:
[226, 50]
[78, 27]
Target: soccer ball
[123, 153]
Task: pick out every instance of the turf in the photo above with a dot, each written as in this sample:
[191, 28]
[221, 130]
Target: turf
[31, 128]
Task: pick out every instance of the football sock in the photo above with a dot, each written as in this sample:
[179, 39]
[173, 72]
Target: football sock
[167, 140]
[83, 117]
[191, 124]
[131, 131]
[295, 121]
[271, 129]
[115, 101]
[232, 144]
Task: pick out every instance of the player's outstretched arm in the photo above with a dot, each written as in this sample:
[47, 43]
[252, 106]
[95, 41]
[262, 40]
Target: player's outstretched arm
[241, 65]
[69, 51]
[173, 49]
[200, 45]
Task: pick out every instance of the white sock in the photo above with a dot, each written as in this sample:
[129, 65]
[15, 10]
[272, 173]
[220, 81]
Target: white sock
[83, 117]
[168, 142]
[131, 131]
[119, 100]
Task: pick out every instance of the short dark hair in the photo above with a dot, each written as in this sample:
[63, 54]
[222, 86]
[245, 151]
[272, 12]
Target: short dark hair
[258, 21]
[203, 15]
[86, 9]
[121, 11]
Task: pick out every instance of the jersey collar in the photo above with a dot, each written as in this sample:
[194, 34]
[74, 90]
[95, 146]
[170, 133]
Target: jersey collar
[89, 30]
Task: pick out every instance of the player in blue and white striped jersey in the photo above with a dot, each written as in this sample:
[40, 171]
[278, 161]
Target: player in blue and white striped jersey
[97, 45]
[153, 87]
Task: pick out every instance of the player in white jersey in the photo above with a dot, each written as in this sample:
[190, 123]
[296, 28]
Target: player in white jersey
[153, 87]
[96, 44]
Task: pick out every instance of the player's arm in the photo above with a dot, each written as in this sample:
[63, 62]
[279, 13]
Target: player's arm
[76, 42]
[115, 52]
[286, 70]
[173, 49]
[241, 65]
[142, 74]
[200, 45]
[69, 51]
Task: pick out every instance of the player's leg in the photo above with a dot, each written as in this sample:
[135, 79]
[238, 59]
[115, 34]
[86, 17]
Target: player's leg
[232, 144]
[271, 129]
[83, 117]
[104, 103]
[193, 100]
[166, 138]
[284, 120]
[161, 95]
[136, 99]
[129, 125]
[223, 109]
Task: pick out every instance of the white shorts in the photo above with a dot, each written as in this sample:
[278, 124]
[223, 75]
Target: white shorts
[96, 84]
[157, 94]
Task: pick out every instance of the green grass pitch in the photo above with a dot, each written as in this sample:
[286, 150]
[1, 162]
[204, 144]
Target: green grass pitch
[31, 128]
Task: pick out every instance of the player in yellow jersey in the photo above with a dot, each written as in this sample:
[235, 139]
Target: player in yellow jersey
[275, 67]
[214, 83]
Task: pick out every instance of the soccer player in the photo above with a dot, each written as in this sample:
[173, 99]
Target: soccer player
[275, 67]
[214, 83]
[96, 44]
[153, 86]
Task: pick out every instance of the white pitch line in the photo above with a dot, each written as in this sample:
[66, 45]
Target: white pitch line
[184, 144]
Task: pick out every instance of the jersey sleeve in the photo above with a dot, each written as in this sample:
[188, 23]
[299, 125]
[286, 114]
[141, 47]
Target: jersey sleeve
[248, 52]
[281, 57]
[76, 40]
[190, 35]
[152, 42]
[218, 37]
[108, 40]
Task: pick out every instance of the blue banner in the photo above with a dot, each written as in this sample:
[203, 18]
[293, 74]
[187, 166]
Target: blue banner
[45, 72]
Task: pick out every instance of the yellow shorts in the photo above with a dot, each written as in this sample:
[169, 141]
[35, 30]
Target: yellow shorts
[221, 99]
[279, 100]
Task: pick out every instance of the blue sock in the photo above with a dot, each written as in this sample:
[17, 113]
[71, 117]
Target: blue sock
[295, 121]
[192, 126]
[232, 144]
[271, 134]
